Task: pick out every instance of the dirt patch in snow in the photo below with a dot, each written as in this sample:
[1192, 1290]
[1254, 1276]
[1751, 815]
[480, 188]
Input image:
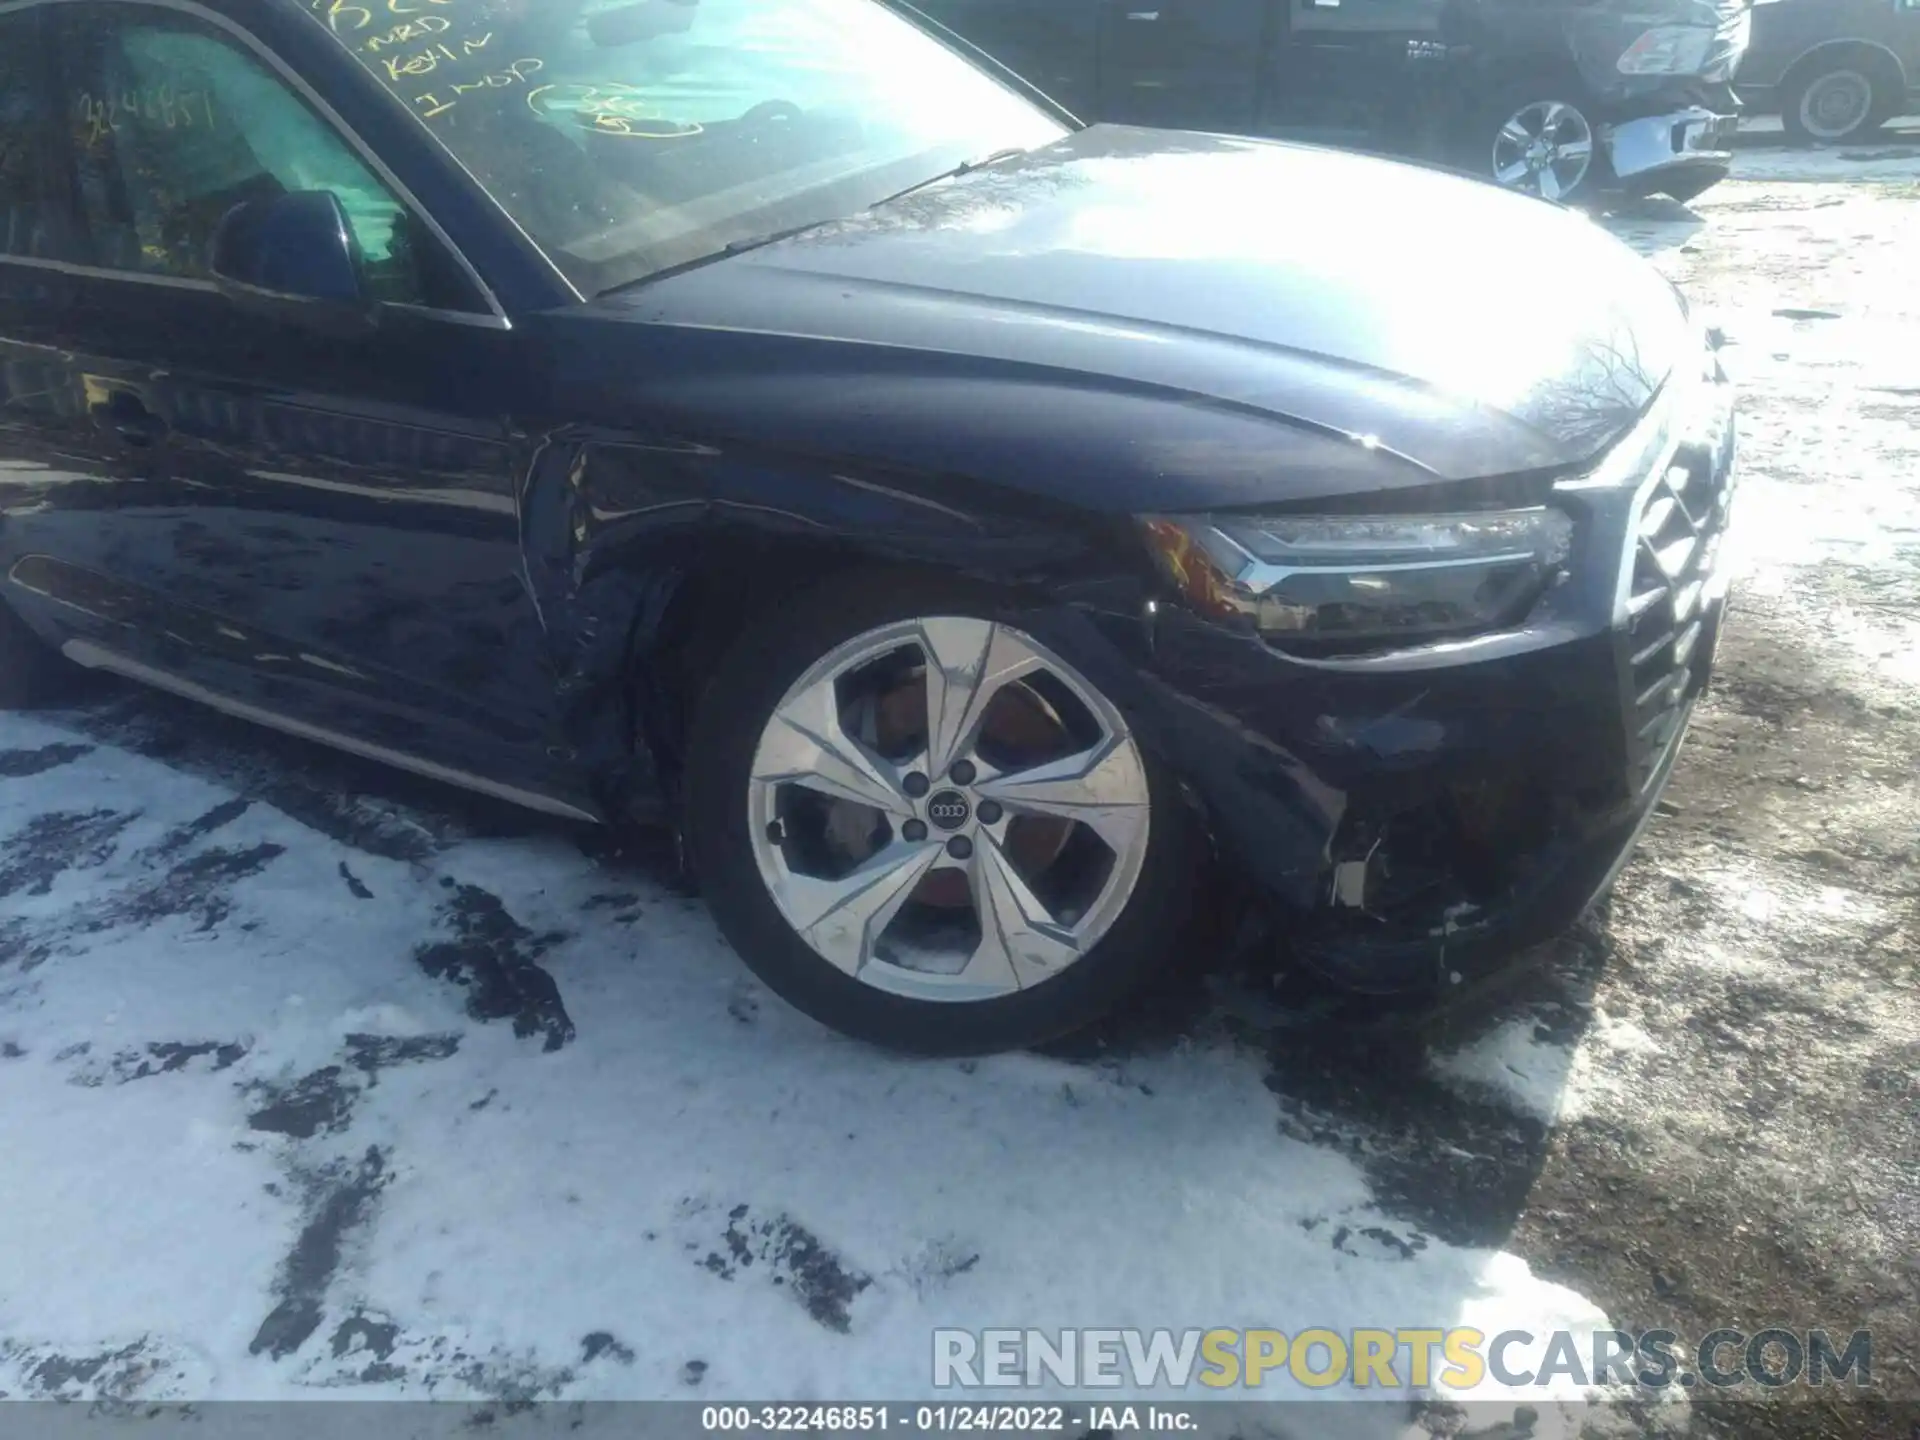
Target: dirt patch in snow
[340, 1198]
[778, 1250]
[496, 960]
[18, 764]
[50, 845]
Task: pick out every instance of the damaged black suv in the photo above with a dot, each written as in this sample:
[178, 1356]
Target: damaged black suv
[954, 521]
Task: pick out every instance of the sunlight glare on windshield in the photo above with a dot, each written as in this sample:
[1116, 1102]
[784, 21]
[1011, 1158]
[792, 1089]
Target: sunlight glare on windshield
[628, 136]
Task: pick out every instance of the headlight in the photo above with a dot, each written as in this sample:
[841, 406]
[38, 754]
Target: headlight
[1668, 50]
[1343, 583]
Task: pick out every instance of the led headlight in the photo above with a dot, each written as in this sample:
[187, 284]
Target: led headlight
[1668, 50]
[1339, 582]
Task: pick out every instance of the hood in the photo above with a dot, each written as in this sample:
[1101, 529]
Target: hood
[1467, 329]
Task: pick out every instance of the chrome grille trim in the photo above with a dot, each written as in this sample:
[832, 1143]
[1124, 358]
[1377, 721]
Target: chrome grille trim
[1673, 547]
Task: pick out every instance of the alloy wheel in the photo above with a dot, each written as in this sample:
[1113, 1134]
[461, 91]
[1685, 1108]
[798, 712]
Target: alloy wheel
[1544, 149]
[1835, 106]
[944, 809]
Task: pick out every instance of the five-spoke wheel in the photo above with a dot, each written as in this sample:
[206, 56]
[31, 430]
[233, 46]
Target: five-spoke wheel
[928, 828]
[1546, 148]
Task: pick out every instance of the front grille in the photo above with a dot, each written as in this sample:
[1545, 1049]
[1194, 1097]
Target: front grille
[1676, 546]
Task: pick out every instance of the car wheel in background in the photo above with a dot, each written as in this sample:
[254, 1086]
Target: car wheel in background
[923, 827]
[1834, 102]
[1538, 143]
[31, 672]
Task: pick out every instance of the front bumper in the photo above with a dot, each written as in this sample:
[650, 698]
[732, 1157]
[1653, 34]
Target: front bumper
[1424, 816]
[1692, 139]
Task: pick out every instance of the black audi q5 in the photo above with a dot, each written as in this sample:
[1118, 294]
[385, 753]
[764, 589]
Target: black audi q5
[766, 420]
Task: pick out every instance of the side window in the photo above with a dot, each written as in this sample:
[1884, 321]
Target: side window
[35, 220]
[174, 122]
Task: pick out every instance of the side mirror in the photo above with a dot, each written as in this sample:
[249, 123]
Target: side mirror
[294, 259]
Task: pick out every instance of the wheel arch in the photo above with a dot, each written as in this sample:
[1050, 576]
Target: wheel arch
[1882, 63]
[675, 647]
[694, 616]
[648, 551]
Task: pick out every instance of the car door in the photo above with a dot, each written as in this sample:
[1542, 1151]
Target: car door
[42, 425]
[304, 526]
[1186, 64]
[1348, 69]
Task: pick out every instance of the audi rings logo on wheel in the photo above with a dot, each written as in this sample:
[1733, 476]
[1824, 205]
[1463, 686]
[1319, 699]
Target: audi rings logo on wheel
[949, 810]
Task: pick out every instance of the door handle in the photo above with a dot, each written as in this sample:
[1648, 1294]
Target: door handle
[125, 415]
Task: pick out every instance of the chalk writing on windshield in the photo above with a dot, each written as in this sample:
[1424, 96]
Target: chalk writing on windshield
[164, 104]
[427, 61]
[608, 109]
[518, 73]
[427, 27]
[345, 18]
[447, 43]
[435, 53]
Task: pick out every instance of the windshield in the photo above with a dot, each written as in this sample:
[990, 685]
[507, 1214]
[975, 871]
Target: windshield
[627, 138]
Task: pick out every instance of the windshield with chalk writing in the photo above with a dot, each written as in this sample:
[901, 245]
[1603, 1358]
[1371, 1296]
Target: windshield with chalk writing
[630, 136]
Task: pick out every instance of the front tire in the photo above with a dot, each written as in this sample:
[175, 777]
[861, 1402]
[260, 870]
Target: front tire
[925, 828]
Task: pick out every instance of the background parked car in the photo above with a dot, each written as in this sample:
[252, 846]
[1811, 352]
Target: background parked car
[1833, 70]
[1548, 96]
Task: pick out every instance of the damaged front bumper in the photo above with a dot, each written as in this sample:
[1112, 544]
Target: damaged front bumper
[1693, 142]
[1399, 944]
[1425, 816]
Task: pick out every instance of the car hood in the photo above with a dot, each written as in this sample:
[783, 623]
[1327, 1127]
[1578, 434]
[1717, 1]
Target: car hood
[1466, 329]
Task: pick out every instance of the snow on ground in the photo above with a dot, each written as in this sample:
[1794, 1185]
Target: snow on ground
[1539, 1075]
[285, 1117]
[1892, 158]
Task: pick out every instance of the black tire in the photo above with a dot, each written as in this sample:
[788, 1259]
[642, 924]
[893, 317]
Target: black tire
[750, 682]
[31, 672]
[1793, 95]
[1480, 126]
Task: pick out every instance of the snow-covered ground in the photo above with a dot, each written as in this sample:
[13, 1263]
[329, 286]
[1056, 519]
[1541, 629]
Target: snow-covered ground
[319, 1082]
[423, 1113]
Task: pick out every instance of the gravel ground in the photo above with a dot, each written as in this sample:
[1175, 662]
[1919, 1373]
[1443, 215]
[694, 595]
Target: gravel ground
[1720, 1071]
[1760, 1161]
[1702, 1110]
